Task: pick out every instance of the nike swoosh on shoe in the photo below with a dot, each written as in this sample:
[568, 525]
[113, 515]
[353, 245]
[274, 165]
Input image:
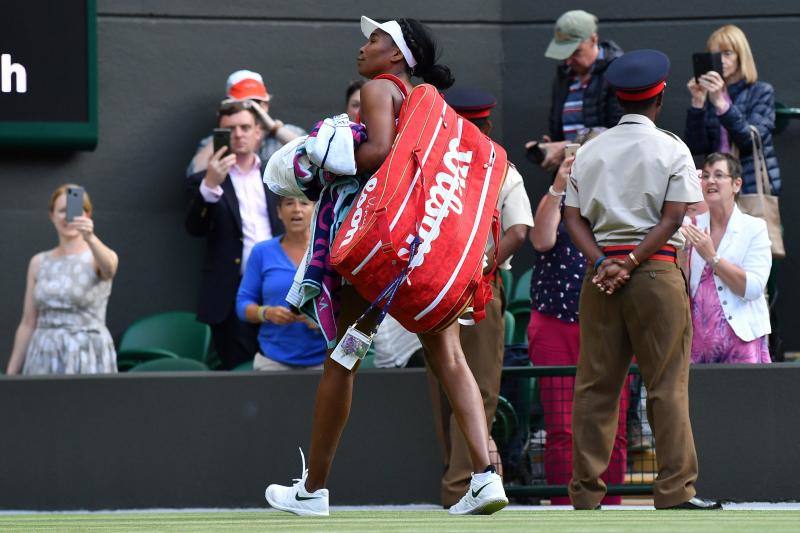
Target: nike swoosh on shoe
[476, 492]
[304, 498]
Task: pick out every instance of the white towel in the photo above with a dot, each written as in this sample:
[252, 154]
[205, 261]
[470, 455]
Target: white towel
[333, 148]
[279, 173]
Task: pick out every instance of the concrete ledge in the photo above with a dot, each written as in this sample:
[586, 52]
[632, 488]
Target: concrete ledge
[217, 439]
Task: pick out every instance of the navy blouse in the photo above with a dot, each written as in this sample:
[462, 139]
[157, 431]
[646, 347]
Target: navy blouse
[557, 278]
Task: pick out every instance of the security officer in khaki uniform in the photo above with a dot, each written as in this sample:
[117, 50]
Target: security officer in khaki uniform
[626, 199]
[483, 343]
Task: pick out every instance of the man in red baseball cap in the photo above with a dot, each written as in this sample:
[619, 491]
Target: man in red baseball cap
[231, 208]
[248, 86]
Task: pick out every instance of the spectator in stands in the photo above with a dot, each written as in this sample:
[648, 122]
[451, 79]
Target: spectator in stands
[729, 262]
[725, 107]
[63, 327]
[248, 86]
[554, 334]
[231, 207]
[287, 340]
[581, 96]
[353, 99]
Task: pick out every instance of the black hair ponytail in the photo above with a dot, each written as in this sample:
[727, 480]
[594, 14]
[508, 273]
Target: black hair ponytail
[423, 46]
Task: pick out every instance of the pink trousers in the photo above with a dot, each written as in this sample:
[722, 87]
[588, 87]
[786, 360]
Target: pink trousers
[553, 342]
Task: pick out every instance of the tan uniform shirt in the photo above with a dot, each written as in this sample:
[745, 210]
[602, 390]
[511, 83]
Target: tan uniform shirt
[621, 179]
[514, 207]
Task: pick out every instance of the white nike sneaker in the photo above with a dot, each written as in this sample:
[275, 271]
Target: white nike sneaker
[485, 495]
[296, 499]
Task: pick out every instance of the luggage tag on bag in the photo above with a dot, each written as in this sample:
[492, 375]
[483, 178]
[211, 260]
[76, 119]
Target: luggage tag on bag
[355, 343]
[352, 348]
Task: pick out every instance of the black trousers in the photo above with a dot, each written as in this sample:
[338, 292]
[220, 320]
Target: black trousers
[235, 341]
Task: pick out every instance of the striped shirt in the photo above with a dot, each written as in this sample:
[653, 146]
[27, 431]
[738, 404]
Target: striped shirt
[572, 112]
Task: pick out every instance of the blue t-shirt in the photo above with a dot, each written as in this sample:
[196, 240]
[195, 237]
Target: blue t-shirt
[267, 279]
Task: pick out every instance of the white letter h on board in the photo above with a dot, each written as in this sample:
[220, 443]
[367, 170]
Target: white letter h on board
[9, 69]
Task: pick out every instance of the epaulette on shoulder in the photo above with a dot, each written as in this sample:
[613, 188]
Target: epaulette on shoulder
[670, 134]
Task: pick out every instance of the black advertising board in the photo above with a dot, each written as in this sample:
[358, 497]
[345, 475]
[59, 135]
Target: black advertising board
[48, 74]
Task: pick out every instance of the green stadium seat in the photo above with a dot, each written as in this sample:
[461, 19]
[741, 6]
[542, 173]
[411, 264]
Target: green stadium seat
[509, 327]
[247, 366]
[508, 281]
[505, 421]
[177, 332]
[521, 317]
[127, 359]
[369, 359]
[521, 310]
[522, 288]
[213, 361]
[173, 364]
[783, 114]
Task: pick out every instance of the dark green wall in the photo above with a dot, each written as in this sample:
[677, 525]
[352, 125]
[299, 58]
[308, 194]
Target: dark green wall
[217, 439]
[162, 68]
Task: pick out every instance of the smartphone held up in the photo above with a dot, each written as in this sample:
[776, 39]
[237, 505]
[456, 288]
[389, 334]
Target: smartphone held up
[571, 149]
[222, 137]
[74, 203]
[704, 62]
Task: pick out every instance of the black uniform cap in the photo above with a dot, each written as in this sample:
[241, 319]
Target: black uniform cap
[470, 102]
[639, 75]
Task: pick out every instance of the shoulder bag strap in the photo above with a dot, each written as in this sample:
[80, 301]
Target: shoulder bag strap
[763, 185]
[394, 79]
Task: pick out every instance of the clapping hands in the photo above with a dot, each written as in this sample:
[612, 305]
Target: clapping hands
[700, 240]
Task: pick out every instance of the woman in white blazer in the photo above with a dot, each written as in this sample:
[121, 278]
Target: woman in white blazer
[729, 263]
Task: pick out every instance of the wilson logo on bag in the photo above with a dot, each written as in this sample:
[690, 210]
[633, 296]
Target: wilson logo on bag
[440, 182]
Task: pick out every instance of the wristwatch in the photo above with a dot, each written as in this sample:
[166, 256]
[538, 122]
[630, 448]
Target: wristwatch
[714, 262]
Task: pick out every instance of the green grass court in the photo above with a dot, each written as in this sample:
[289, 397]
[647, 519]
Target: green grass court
[413, 521]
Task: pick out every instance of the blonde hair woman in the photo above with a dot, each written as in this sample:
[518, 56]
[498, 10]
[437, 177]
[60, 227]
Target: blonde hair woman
[724, 107]
[63, 329]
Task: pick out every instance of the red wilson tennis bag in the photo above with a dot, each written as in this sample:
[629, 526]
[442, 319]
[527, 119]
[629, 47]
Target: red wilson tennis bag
[438, 189]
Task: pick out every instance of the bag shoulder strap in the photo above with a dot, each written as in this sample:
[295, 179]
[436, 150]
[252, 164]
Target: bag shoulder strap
[763, 186]
[394, 79]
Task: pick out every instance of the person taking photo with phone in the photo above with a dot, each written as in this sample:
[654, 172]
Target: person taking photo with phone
[247, 87]
[726, 104]
[63, 327]
[233, 210]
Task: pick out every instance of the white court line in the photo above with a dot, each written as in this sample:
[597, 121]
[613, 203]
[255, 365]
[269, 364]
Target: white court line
[743, 506]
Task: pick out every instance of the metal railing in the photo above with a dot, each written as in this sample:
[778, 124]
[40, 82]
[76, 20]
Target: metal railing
[533, 419]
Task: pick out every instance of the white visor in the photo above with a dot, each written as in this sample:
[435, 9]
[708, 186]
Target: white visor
[393, 29]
